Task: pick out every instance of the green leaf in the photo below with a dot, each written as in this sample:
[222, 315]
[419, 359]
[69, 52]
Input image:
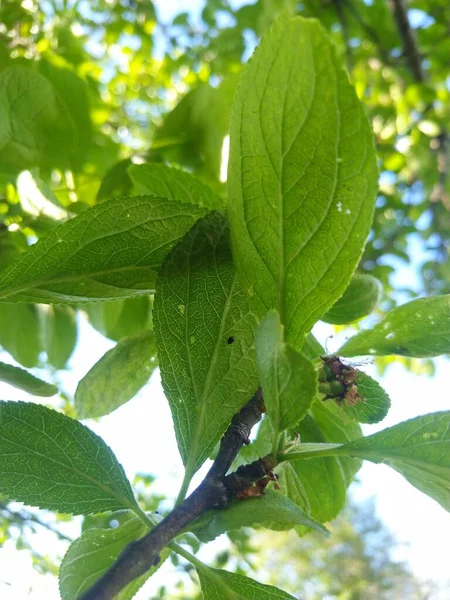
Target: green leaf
[110, 251]
[419, 449]
[288, 379]
[20, 332]
[94, 552]
[36, 128]
[337, 431]
[371, 404]
[160, 180]
[302, 176]
[204, 333]
[222, 585]
[319, 482]
[116, 182]
[419, 328]
[273, 510]
[26, 381]
[120, 318]
[358, 300]
[117, 376]
[326, 416]
[74, 93]
[52, 461]
[60, 334]
[192, 135]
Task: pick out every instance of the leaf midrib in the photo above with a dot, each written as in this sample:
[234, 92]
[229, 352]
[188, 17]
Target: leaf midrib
[202, 401]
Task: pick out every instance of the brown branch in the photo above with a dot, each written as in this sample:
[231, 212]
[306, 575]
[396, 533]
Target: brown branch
[406, 33]
[215, 492]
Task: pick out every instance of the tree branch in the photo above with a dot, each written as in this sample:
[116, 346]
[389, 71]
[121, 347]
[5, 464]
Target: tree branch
[215, 492]
[406, 33]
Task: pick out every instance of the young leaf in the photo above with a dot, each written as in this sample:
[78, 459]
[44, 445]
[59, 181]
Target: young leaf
[60, 334]
[204, 332]
[113, 250]
[160, 180]
[419, 328]
[371, 403]
[419, 449]
[26, 381]
[94, 552]
[120, 318]
[273, 510]
[52, 461]
[302, 176]
[325, 415]
[358, 300]
[318, 483]
[117, 376]
[218, 585]
[20, 332]
[36, 127]
[288, 378]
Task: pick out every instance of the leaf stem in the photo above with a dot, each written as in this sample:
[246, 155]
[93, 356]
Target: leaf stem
[310, 451]
[184, 488]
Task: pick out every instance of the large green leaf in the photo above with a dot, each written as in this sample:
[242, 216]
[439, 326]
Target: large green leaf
[20, 332]
[288, 379]
[94, 552]
[74, 93]
[358, 300]
[26, 381]
[419, 449]
[302, 176]
[60, 334]
[110, 251]
[35, 127]
[273, 510]
[52, 461]
[318, 484]
[161, 180]
[117, 376]
[419, 328]
[120, 318]
[223, 585]
[205, 337]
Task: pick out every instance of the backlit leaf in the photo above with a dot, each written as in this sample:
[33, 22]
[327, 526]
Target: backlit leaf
[94, 552]
[358, 300]
[272, 510]
[36, 127]
[419, 449]
[52, 461]
[218, 585]
[26, 381]
[419, 328]
[117, 376]
[161, 180]
[302, 176]
[204, 332]
[113, 250]
[288, 378]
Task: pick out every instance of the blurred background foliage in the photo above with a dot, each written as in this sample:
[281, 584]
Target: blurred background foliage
[123, 86]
